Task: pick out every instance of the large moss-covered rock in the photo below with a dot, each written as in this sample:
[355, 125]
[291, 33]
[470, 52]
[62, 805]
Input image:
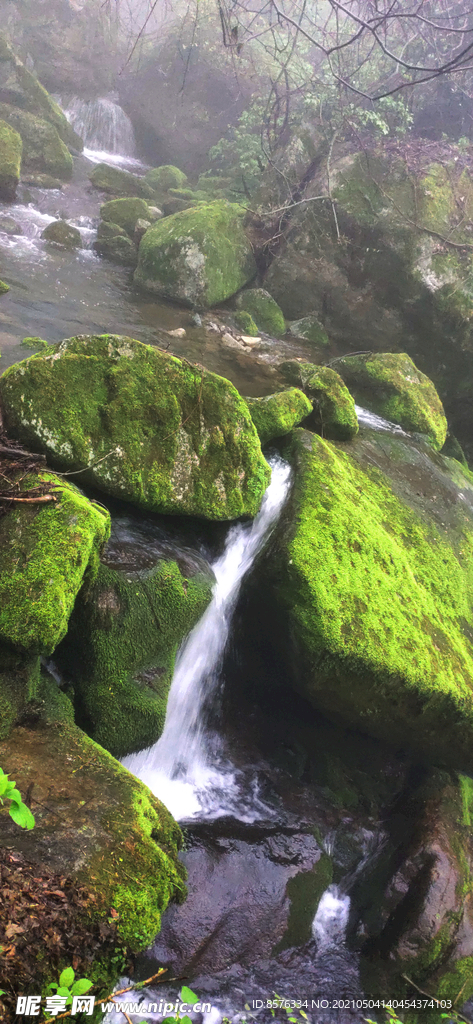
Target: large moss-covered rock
[19, 686]
[45, 551]
[333, 408]
[95, 823]
[162, 433]
[11, 148]
[374, 576]
[310, 328]
[119, 183]
[116, 247]
[392, 386]
[62, 233]
[125, 212]
[163, 178]
[19, 87]
[43, 150]
[276, 415]
[198, 257]
[120, 649]
[266, 313]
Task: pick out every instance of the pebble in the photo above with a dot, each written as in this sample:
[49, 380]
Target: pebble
[178, 333]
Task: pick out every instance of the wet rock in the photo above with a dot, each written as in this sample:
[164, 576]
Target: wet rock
[309, 327]
[125, 212]
[391, 385]
[41, 181]
[11, 147]
[163, 178]
[107, 229]
[43, 149]
[117, 248]
[276, 415]
[199, 257]
[119, 183]
[63, 234]
[245, 322]
[141, 228]
[265, 312]
[10, 226]
[154, 213]
[333, 407]
[190, 447]
[21, 88]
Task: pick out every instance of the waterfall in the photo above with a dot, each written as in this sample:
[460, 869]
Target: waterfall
[102, 124]
[184, 768]
[331, 919]
[370, 419]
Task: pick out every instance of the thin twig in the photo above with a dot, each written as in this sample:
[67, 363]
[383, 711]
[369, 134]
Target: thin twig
[110, 999]
[430, 996]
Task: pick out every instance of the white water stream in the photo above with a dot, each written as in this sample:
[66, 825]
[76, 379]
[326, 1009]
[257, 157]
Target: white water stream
[184, 768]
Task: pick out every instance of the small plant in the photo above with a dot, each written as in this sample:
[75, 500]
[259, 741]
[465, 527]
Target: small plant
[68, 987]
[17, 810]
[186, 995]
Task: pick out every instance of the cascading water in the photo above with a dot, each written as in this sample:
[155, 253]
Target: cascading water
[331, 919]
[105, 128]
[184, 768]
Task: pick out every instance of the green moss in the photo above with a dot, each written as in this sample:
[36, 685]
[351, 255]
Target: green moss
[390, 384]
[453, 450]
[309, 327]
[378, 603]
[266, 313]
[246, 323]
[119, 183]
[125, 212]
[4, 288]
[304, 892]
[438, 199]
[43, 150]
[11, 148]
[333, 408]
[120, 650]
[19, 682]
[107, 229]
[190, 446]
[30, 95]
[38, 343]
[198, 257]
[62, 234]
[276, 415]
[165, 177]
[45, 550]
[116, 247]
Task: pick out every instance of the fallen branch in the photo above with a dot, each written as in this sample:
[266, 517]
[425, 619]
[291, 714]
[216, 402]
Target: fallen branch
[110, 998]
[42, 499]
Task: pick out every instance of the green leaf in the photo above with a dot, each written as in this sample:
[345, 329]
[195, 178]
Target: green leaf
[186, 1020]
[63, 990]
[22, 816]
[14, 795]
[52, 985]
[67, 977]
[188, 996]
[3, 784]
[81, 986]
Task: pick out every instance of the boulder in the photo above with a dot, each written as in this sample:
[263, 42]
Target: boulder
[19, 687]
[389, 384]
[10, 226]
[119, 183]
[246, 323]
[276, 415]
[45, 552]
[333, 414]
[163, 178]
[107, 229]
[120, 649]
[162, 433]
[63, 234]
[11, 148]
[43, 149]
[265, 311]
[372, 577]
[198, 257]
[20, 88]
[41, 181]
[117, 248]
[125, 212]
[4, 287]
[310, 328]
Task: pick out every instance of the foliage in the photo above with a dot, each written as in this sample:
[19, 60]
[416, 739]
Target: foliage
[17, 810]
[68, 986]
[240, 155]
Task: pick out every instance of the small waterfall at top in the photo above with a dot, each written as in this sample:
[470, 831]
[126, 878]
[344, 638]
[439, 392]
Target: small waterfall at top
[106, 130]
[331, 919]
[184, 768]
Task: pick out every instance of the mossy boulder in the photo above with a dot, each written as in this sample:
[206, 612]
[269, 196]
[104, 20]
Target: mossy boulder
[246, 323]
[374, 579]
[10, 226]
[19, 686]
[125, 212]
[95, 823]
[276, 415]
[62, 233]
[198, 257]
[20, 88]
[163, 178]
[120, 649]
[119, 183]
[117, 247]
[41, 181]
[162, 433]
[389, 384]
[107, 229]
[45, 552]
[333, 414]
[11, 148]
[266, 313]
[4, 287]
[310, 328]
[43, 150]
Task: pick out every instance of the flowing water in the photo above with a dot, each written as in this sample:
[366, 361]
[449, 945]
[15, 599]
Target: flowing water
[106, 130]
[185, 767]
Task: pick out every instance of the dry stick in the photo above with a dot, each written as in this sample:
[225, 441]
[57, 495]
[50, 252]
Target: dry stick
[43, 500]
[141, 984]
[329, 157]
[430, 996]
[74, 472]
